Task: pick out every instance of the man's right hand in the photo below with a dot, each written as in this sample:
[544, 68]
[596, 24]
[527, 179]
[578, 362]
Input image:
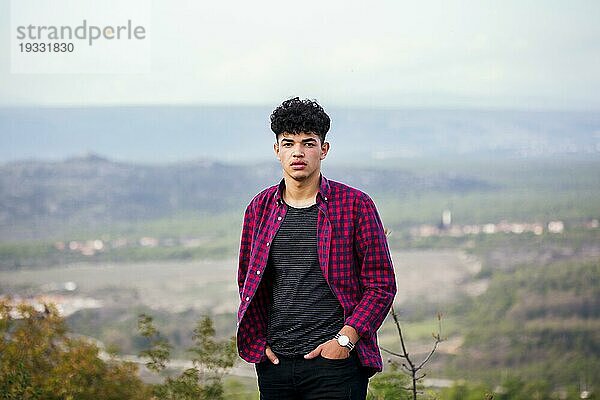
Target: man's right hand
[271, 356]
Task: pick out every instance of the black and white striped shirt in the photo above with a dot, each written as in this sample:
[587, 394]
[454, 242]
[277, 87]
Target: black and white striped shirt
[303, 311]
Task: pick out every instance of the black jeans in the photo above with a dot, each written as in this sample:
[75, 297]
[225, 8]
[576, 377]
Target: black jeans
[316, 379]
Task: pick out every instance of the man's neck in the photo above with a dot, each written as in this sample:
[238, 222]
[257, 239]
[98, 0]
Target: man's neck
[301, 193]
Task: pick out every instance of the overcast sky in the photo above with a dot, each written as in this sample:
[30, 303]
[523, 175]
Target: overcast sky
[537, 54]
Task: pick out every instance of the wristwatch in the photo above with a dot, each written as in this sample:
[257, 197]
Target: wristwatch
[344, 341]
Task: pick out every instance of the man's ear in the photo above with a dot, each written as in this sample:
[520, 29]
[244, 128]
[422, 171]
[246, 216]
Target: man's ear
[324, 150]
[276, 150]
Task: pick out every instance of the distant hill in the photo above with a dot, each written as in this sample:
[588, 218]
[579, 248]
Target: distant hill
[539, 323]
[235, 133]
[94, 190]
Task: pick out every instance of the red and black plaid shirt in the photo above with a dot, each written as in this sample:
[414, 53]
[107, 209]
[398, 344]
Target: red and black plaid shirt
[353, 255]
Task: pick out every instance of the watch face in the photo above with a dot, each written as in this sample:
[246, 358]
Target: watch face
[343, 340]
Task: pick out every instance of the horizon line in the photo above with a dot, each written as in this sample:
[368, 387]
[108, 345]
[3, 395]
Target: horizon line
[74, 106]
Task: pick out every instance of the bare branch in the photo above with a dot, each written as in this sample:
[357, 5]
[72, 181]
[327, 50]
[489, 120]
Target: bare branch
[435, 345]
[409, 366]
[404, 351]
[392, 352]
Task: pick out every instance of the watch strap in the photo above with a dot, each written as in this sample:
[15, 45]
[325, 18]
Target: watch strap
[349, 345]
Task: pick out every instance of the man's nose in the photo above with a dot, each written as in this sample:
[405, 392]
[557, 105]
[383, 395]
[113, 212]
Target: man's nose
[298, 152]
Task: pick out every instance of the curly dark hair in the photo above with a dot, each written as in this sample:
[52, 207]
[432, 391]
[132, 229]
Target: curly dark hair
[296, 116]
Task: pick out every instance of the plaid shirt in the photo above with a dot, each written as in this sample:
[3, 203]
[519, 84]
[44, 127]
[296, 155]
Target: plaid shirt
[353, 255]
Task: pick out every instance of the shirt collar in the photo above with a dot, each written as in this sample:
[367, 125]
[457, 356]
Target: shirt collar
[324, 190]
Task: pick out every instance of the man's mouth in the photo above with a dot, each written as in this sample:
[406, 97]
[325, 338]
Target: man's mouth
[298, 165]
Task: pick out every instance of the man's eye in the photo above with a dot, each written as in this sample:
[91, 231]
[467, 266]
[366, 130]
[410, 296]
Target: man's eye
[310, 144]
[287, 144]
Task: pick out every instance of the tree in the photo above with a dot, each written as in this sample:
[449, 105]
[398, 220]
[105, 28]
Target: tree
[462, 390]
[390, 384]
[211, 359]
[39, 360]
[407, 364]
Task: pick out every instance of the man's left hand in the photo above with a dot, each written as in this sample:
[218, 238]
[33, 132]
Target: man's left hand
[330, 349]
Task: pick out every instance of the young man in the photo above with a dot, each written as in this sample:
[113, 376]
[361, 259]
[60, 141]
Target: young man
[315, 274]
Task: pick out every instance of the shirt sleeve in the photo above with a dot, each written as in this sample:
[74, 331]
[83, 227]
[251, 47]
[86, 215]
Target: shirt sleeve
[377, 278]
[245, 247]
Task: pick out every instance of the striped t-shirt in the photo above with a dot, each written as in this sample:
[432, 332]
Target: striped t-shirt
[303, 311]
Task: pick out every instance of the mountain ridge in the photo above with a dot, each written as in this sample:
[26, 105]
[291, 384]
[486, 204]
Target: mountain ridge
[242, 134]
[93, 189]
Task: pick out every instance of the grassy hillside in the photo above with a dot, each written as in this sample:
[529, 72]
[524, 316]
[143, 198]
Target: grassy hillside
[409, 193]
[540, 323]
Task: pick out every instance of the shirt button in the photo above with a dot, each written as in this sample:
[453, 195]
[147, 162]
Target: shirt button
[247, 298]
[278, 218]
[268, 243]
[325, 198]
[257, 272]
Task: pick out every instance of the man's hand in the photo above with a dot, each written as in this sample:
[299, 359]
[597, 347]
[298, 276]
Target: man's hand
[271, 356]
[330, 349]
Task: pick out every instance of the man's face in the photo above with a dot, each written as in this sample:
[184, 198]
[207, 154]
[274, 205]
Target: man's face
[300, 154]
